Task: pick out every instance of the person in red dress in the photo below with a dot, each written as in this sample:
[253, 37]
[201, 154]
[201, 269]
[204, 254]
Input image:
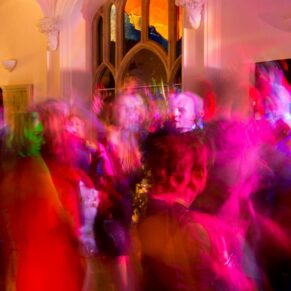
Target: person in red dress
[41, 248]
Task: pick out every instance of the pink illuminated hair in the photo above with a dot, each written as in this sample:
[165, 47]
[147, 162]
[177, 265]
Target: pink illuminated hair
[53, 114]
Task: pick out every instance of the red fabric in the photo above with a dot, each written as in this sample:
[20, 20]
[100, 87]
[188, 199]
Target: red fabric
[46, 251]
[66, 180]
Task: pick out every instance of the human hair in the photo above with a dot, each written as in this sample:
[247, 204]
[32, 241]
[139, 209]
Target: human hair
[25, 135]
[53, 114]
[197, 102]
[130, 112]
[171, 157]
[82, 126]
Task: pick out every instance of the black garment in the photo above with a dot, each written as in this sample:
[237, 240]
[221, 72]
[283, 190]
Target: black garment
[182, 250]
[111, 228]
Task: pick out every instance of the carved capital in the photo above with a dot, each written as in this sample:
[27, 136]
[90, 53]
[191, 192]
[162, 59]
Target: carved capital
[193, 10]
[51, 26]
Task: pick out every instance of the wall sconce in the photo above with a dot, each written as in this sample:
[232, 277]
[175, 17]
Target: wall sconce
[9, 65]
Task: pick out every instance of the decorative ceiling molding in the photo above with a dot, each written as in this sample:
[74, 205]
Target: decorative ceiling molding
[89, 8]
[50, 26]
[193, 10]
[55, 12]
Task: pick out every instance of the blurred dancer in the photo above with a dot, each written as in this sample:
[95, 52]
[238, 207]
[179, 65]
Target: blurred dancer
[113, 221]
[188, 111]
[42, 250]
[182, 249]
[79, 142]
[58, 153]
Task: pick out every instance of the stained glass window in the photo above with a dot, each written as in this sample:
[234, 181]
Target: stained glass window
[112, 34]
[158, 23]
[179, 31]
[132, 24]
[146, 24]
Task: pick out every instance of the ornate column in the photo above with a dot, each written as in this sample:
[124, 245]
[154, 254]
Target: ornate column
[193, 9]
[56, 25]
[51, 27]
[193, 41]
[212, 32]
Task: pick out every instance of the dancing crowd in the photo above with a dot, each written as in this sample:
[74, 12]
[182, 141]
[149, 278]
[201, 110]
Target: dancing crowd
[162, 191]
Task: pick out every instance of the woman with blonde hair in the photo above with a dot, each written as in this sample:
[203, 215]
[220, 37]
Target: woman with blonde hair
[114, 216]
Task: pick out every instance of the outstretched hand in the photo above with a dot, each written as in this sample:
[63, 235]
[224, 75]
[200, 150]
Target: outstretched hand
[97, 103]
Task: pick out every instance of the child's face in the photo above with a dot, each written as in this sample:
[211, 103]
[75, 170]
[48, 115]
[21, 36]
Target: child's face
[76, 127]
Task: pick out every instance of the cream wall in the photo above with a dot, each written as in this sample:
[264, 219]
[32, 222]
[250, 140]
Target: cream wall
[234, 37]
[238, 33]
[246, 37]
[65, 73]
[75, 51]
[20, 39]
[75, 59]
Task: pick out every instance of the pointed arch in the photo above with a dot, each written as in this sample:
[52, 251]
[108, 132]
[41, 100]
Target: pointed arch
[175, 79]
[112, 33]
[167, 59]
[156, 52]
[104, 82]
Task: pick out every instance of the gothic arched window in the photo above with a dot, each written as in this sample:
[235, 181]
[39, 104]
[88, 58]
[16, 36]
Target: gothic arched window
[140, 36]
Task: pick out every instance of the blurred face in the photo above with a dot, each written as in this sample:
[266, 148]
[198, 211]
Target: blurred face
[35, 136]
[129, 113]
[130, 84]
[76, 127]
[184, 113]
